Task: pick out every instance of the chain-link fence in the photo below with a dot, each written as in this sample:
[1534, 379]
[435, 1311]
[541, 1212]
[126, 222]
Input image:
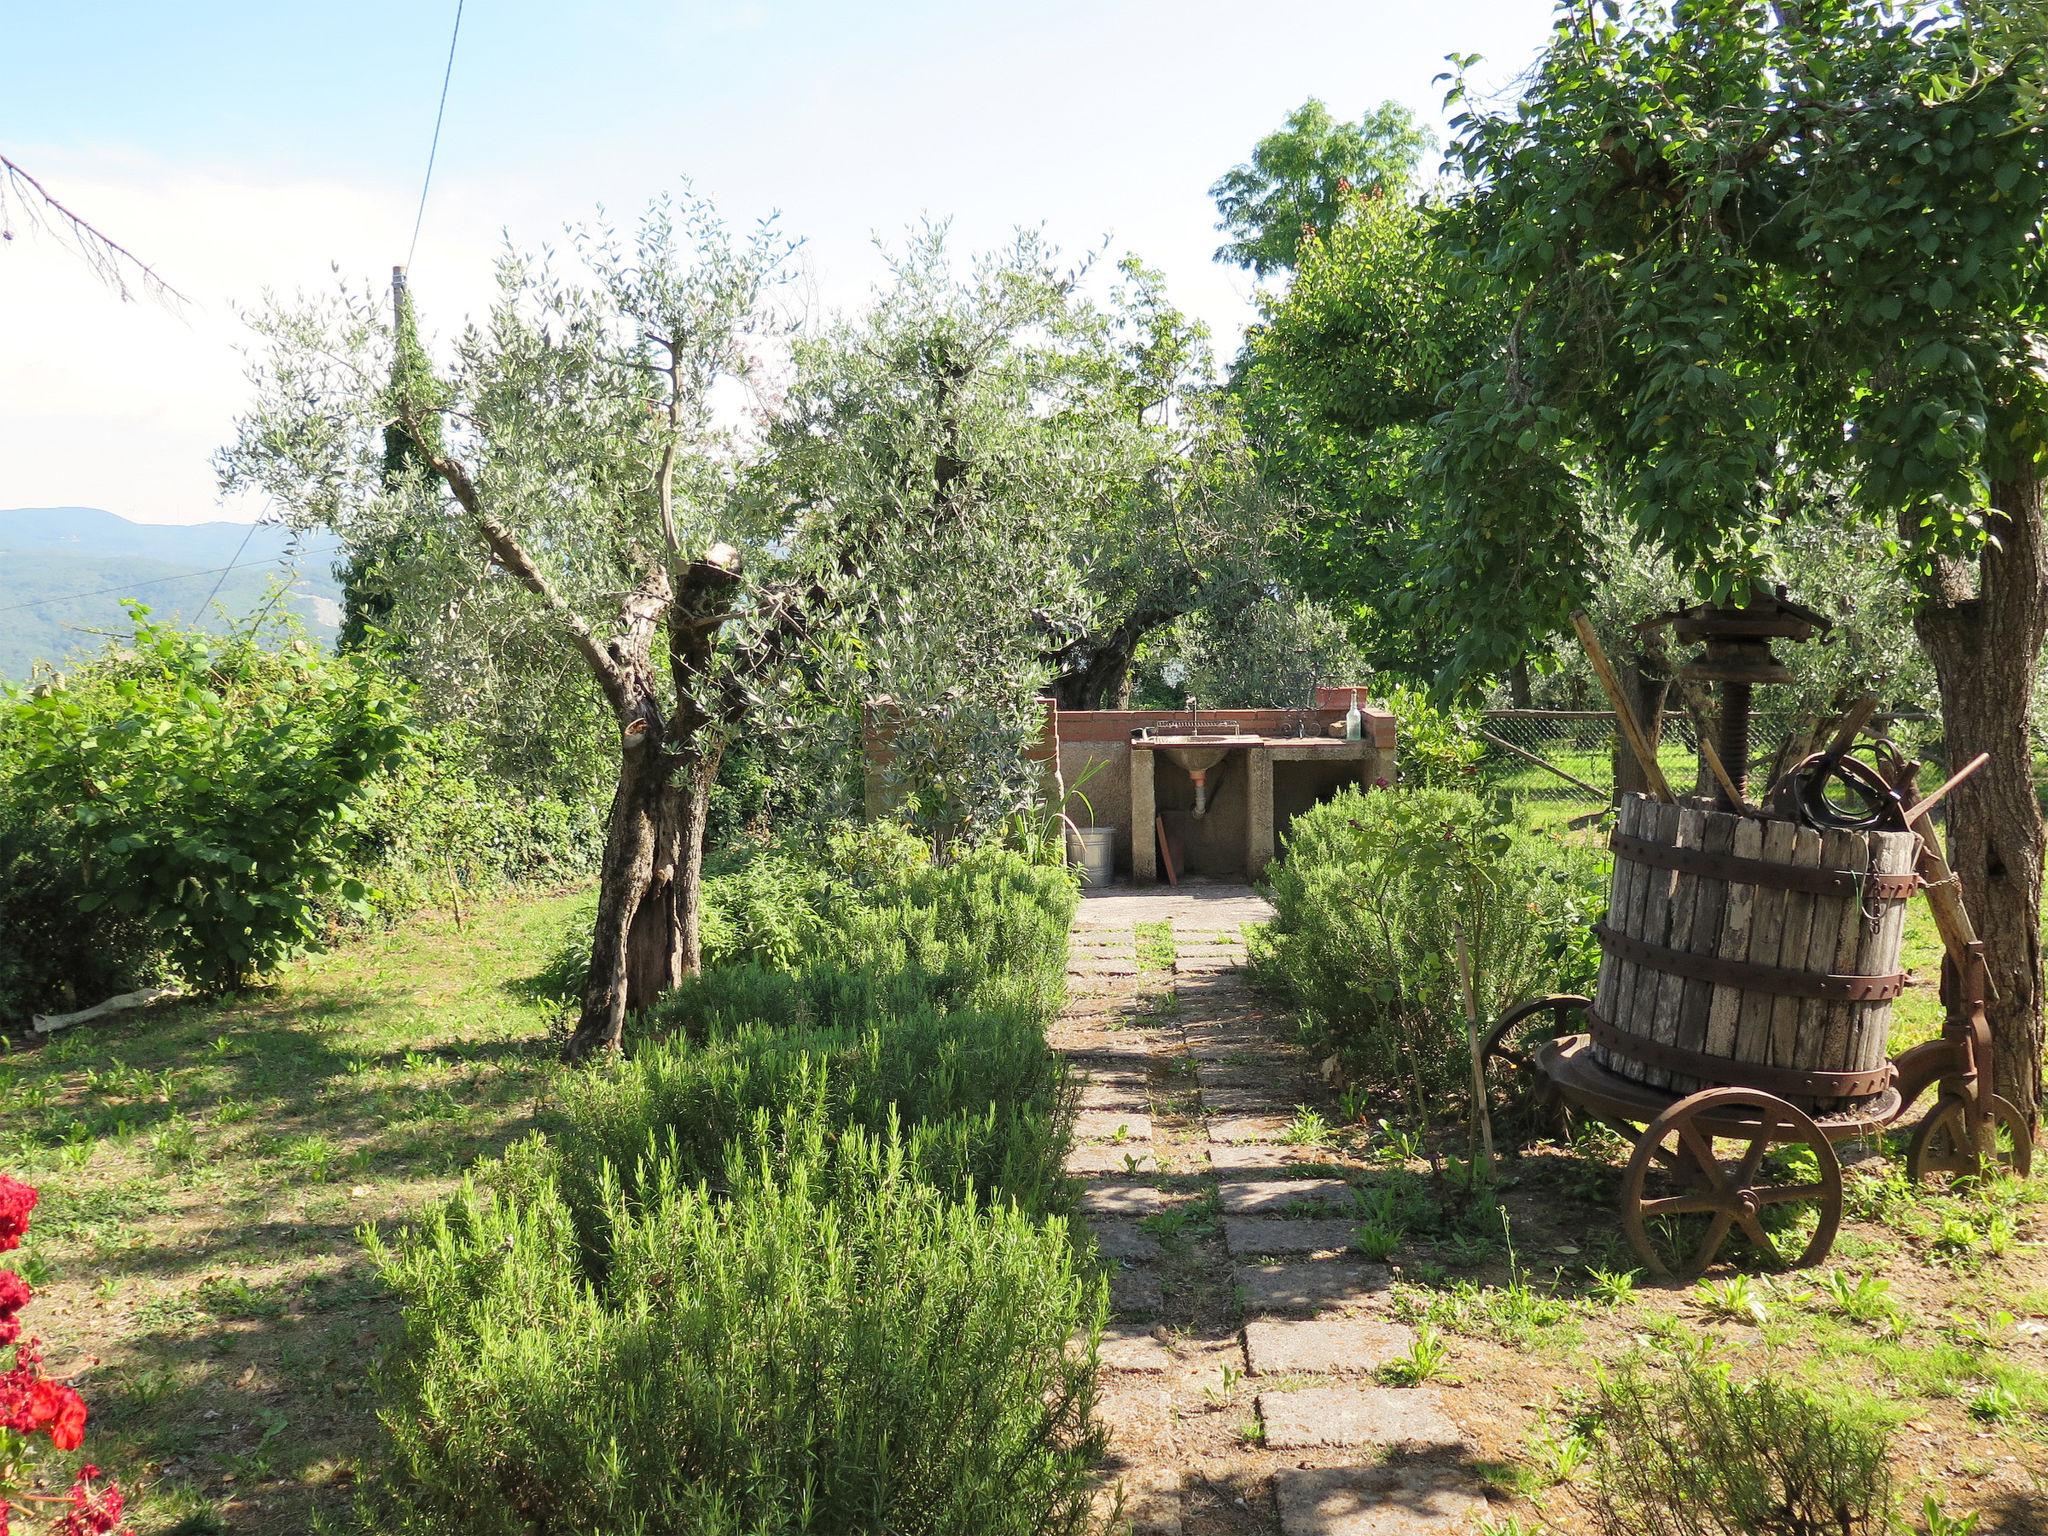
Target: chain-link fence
[1560, 763]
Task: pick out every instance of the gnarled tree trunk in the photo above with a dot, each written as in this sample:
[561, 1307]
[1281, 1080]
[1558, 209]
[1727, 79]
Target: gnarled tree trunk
[650, 887]
[1984, 638]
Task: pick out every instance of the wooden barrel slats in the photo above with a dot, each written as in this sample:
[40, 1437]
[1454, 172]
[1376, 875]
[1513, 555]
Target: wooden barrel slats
[1751, 952]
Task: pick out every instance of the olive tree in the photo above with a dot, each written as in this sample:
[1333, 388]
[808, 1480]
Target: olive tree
[1018, 471]
[566, 509]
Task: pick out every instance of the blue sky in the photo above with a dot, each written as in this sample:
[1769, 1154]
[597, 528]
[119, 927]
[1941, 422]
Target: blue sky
[245, 145]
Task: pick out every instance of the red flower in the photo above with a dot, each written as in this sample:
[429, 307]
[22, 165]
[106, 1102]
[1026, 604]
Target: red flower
[91, 1514]
[67, 1424]
[16, 1201]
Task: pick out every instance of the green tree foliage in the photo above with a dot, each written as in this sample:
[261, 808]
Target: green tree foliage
[196, 789]
[1341, 383]
[1013, 474]
[1275, 649]
[1301, 177]
[1760, 264]
[368, 572]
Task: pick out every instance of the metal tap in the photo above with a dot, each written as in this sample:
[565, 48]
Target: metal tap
[1194, 716]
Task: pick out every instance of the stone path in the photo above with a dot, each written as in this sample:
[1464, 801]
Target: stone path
[1237, 1373]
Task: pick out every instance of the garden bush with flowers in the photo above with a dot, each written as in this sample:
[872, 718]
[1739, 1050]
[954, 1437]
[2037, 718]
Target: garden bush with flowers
[797, 1265]
[36, 1411]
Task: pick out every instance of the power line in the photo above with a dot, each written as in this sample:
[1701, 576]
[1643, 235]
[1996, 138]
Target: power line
[434, 148]
[154, 581]
[232, 559]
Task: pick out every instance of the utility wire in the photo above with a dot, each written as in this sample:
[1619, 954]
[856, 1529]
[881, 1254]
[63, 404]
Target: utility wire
[232, 560]
[434, 148]
[154, 581]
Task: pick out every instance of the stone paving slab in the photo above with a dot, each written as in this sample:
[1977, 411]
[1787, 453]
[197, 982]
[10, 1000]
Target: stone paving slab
[1115, 1098]
[1262, 1156]
[1128, 1347]
[1322, 1346]
[1135, 1292]
[1116, 1197]
[1082, 1161]
[1311, 1287]
[1375, 1501]
[1250, 1128]
[1122, 1239]
[1112, 1048]
[1145, 1501]
[1266, 1197]
[1279, 1236]
[1230, 1104]
[1119, 1125]
[1318, 1418]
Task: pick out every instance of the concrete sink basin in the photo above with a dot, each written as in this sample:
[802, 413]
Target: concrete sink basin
[1197, 752]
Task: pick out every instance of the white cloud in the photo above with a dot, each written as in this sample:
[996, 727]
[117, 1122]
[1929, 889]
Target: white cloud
[119, 405]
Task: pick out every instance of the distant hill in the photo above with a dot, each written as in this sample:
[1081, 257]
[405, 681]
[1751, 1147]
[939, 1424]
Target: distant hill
[64, 571]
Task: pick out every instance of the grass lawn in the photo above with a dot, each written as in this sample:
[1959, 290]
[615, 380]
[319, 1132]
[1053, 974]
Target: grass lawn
[204, 1170]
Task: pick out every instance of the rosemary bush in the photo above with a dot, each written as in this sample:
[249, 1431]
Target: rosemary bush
[1371, 898]
[829, 1345]
[797, 1264]
[1697, 1452]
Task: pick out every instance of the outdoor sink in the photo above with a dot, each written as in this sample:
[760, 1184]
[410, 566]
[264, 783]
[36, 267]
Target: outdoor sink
[1201, 752]
[1196, 751]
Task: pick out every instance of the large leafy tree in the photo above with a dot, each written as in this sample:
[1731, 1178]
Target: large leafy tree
[1753, 253]
[1021, 472]
[1303, 175]
[566, 508]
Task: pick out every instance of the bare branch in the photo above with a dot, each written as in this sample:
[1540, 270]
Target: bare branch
[111, 262]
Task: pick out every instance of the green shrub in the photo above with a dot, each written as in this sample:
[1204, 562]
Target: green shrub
[433, 825]
[194, 785]
[832, 1346]
[53, 959]
[1699, 1453]
[1371, 898]
[982, 1104]
[1439, 749]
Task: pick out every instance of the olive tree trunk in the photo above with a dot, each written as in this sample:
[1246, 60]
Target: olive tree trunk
[650, 889]
[1984, 638]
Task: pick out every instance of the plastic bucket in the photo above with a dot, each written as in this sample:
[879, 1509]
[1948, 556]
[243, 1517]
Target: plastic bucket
[1098, 854]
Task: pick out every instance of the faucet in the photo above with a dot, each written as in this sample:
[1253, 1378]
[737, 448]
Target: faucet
[1194, 716]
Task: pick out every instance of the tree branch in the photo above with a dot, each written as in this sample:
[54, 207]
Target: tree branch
[107, 257]
[506, 549]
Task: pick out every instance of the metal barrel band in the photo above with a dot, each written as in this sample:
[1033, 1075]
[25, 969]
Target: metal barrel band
[1748, 975]
[1722, 1071]
[1762, 872]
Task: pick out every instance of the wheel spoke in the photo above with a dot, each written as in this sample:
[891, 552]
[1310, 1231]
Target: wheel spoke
[1717, 1234]
[1780, 1194]
[1683, 1205]
[1753, 1159]
[1702, 1151]
[1753, 1229]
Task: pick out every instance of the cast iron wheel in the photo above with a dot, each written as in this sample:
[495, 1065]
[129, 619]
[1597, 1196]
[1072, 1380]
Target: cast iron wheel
[1681, 1199]
[1508, 1052]
[1941, 1141]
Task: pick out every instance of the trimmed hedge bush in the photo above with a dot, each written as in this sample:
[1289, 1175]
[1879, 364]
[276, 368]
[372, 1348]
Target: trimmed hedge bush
[831, 1345]
[795, 1265]
[1371, 897]
[982, 1103]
